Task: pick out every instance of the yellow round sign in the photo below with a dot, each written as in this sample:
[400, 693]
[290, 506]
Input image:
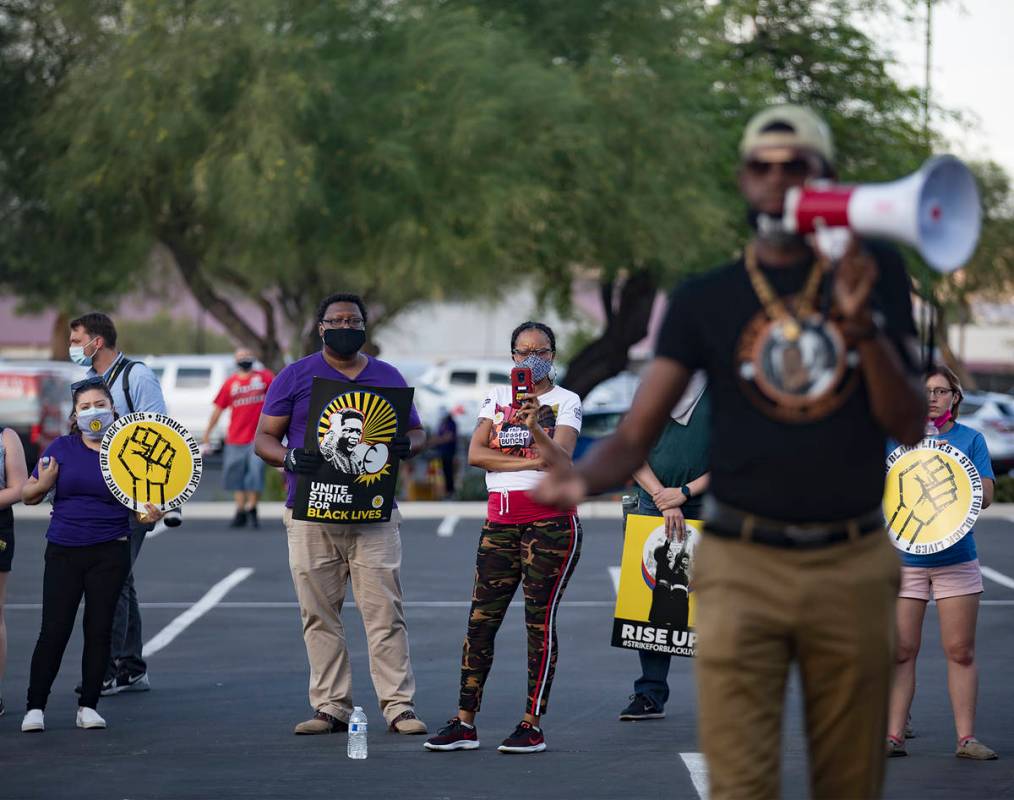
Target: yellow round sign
[932, 496]
[150, 458]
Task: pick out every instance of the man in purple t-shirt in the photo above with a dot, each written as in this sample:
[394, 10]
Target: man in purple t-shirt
[323, 557]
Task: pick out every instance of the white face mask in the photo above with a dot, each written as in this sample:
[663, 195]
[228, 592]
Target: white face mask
[94, 422]
[77, 354]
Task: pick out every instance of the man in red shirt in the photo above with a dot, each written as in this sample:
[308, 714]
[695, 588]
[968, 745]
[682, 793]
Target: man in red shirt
[243, 471]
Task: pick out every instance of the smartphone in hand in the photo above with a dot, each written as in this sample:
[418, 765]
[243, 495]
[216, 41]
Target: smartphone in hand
[521, 385]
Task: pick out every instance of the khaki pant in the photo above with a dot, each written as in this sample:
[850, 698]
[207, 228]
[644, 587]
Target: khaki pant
[760, 608]
[322, 558]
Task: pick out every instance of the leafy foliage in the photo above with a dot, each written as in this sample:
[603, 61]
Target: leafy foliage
[418, 149]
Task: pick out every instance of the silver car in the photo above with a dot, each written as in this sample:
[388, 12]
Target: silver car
[992, 414]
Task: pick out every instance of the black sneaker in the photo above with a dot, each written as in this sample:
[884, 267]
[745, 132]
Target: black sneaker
[455, 736]
[109, 688]
[173, 519]
[525, 739]
[252, 516]
[2, 709]
[125, 682]
[642, 707]
[238, 521]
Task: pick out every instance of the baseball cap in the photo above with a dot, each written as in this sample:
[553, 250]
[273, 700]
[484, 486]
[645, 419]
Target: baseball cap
[807, 131]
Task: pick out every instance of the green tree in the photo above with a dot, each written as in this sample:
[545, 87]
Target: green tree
[285, 152]
[670, 86]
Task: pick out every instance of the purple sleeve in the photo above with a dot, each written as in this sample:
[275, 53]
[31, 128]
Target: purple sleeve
[414, 420]
[398, 380]
[278, 402]
[52, 450]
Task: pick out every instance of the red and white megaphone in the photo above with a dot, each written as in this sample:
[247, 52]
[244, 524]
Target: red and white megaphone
[935, 210]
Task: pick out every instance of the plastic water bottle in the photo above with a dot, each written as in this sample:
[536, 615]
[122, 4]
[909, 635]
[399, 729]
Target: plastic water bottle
[357, 733]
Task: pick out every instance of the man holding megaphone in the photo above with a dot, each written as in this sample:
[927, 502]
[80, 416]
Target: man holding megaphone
[810, 359]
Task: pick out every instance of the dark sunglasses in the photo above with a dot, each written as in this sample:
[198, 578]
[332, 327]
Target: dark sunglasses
[87, 383]
[795, 168]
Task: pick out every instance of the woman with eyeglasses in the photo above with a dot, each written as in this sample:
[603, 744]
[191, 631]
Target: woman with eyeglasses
[954, 579]
[522, 541]
[88, 554]
[13, 474]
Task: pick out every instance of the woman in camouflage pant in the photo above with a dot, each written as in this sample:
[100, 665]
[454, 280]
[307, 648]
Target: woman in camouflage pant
[522, 541]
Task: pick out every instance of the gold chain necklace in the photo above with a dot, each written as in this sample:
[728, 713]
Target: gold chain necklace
[774, 307]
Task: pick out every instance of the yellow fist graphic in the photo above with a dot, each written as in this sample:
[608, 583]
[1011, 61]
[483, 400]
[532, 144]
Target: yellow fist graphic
[926, 488]
[148, 457]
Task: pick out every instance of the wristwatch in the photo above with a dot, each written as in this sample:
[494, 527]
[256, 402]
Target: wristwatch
[686, 491]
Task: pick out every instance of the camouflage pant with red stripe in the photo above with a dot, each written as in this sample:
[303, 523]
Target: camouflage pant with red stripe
[541, 557]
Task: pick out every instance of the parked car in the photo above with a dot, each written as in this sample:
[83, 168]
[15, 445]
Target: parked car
[992, 415]
[464, 384]
[190, 384]
[35, 402]
[615, 392]
[597, 423]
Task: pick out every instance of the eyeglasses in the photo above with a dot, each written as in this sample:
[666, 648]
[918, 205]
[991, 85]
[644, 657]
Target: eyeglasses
[938, 392]
[795, 168]
[344, 322]
[85, 383]
[542, 352]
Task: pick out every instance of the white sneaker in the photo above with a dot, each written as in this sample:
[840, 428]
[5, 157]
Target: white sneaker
[34, 721]
[89, 718]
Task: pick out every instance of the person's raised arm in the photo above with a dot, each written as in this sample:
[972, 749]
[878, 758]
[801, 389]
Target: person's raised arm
[896, 396]
[556, 450]
[613, 459]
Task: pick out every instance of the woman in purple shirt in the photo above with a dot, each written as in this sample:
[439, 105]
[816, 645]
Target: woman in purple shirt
[88, 553]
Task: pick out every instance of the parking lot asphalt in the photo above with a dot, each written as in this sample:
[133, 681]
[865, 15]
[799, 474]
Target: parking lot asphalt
[227, 689]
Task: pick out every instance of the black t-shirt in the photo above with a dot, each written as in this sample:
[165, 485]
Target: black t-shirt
[820, 462]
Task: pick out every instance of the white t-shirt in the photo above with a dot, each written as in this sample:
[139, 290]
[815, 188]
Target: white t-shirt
[558, 406]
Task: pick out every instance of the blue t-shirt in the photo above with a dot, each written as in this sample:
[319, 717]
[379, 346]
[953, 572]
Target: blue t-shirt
[84, 510]
[972, 444]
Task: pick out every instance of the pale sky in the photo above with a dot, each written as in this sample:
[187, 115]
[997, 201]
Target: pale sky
[972, 70]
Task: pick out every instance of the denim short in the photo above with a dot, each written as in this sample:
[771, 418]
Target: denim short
[243, 470]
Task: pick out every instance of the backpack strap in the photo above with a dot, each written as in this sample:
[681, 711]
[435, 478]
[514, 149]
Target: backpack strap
[123, 368]
[126, 385]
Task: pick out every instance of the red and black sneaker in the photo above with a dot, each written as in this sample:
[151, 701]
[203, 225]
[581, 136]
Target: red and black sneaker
[525, 739]
[456, 735]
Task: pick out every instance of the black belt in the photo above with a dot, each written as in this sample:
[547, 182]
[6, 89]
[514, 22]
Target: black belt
[731, 523]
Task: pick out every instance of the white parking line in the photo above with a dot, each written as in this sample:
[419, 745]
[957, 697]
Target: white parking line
[698, 769]
[614, 574]
[348, 603]
[446, 527]
[997, 577]
[211, 599]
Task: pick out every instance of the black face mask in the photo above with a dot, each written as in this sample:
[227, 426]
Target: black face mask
[344, 341]
[244, 365]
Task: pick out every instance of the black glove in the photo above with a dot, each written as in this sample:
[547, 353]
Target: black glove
[302, 461]
[401, 446]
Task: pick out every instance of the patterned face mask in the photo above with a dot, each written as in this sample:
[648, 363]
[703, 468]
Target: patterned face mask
[94, 422]
[540, 367]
